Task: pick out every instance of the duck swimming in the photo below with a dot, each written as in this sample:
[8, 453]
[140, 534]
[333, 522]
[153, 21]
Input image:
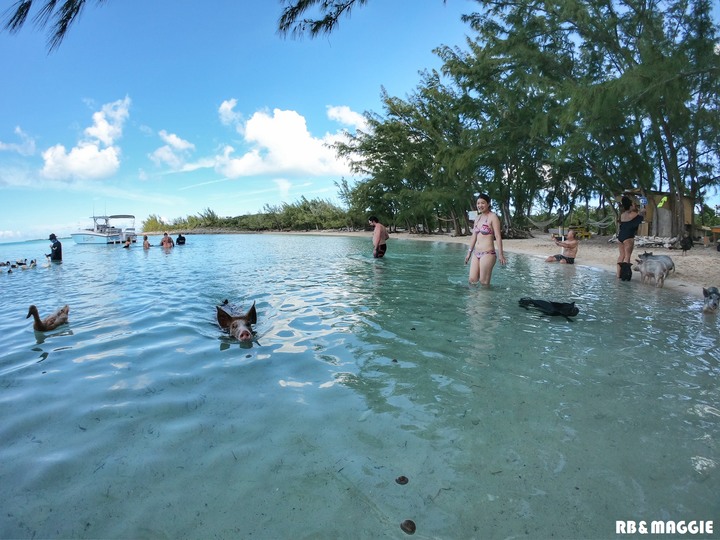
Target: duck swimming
[51, 322]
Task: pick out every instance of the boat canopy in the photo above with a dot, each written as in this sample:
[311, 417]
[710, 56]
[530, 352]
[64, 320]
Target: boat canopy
[117, 216]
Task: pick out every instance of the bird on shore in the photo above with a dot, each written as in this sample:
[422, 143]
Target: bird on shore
[686, 243]
[51, 322]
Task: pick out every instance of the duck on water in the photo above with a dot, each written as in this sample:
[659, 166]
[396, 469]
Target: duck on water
[50, 322]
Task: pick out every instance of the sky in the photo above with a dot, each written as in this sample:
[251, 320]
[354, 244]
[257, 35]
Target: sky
[169, 108]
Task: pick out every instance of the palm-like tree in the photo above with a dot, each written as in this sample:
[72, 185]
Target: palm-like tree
[58, 14]
[292, 20]
[61, 14]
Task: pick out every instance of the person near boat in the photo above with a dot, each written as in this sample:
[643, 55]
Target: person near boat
[55, 249]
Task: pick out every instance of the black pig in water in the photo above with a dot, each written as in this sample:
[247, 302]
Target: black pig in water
[712, 300]
[564, 309]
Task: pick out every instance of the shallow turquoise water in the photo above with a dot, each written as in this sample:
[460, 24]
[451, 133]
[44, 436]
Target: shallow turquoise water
[140, 419]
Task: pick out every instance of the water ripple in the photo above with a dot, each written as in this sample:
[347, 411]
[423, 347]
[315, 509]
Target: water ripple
[141, 418]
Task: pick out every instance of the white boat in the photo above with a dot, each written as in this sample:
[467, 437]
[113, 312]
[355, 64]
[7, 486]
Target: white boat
[103, 232]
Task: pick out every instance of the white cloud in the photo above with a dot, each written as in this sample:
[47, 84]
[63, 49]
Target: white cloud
[176, 142]
[281, 143]
[10, 235]
[17, 176]
[86, 161]
[108, 122]
[283, 187]
[174, 152]
[95, 156]
[26, 146]
[346, 116]
[227, 113]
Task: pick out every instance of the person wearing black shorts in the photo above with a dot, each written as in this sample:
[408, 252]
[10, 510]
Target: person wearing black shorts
[380, 237]
[569, 249]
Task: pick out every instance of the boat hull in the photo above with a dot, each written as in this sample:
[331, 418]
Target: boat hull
[95, 238]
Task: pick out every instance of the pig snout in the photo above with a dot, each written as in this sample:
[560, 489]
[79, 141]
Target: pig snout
[712, 300]
[240, 330]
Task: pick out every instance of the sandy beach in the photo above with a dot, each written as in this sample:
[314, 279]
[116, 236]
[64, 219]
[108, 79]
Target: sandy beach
[696, 269]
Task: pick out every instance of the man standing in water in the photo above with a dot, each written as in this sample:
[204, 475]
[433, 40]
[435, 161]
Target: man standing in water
[380, 237]
[55, 249]
[167, 242]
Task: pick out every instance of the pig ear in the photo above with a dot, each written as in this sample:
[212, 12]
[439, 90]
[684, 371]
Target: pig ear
[223, 318]
[705, 292]
[251, 315]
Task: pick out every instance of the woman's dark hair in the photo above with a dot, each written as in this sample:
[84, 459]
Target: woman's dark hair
[484, 197]
[626, 203]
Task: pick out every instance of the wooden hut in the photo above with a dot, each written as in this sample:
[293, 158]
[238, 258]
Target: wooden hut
[660, 209]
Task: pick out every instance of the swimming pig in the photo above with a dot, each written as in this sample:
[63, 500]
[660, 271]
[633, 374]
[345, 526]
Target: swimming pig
[565, 309]
[712, 300]
[240, 327]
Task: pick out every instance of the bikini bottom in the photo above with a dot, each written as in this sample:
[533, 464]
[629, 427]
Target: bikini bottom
[479, 254]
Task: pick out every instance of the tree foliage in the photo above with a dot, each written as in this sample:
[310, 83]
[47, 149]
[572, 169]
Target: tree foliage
[295, 17]
[553, 103]
[298, 17]
[58, 15]
[303, 215]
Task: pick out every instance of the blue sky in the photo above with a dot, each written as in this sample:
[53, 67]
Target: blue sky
[171, 107]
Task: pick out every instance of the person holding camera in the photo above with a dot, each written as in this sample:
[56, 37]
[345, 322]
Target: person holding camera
[630, 220]
[569, 249]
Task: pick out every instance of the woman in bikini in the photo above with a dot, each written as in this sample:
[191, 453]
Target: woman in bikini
[482, 253]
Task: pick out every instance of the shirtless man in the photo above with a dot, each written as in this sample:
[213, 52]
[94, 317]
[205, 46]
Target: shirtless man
[380, 237]
[569, 249]
[166, 241]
